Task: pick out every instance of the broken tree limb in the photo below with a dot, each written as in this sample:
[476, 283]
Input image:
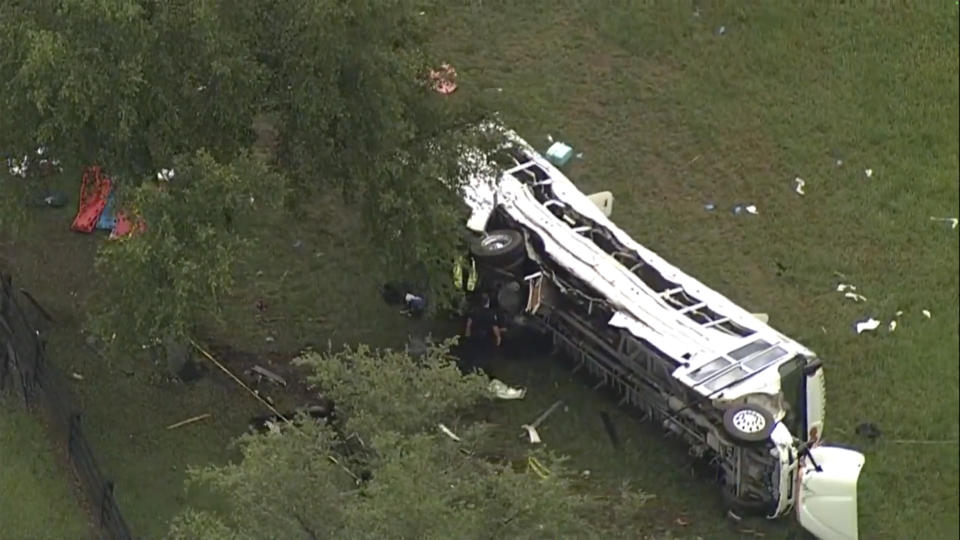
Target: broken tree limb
[543, 416]
[236, 379]
[189, 421]
[271, 376]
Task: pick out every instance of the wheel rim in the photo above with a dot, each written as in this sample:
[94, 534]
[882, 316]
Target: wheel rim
[495, 242]
[749, 421]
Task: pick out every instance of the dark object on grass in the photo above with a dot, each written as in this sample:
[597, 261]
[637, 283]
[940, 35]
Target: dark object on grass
[868, 430]
[392, 294]
[191, 370]
[610, 429]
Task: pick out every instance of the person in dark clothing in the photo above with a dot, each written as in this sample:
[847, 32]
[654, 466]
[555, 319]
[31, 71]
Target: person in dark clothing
[483, 334]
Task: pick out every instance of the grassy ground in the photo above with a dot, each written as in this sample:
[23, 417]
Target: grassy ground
[670, 114]
[36, 501]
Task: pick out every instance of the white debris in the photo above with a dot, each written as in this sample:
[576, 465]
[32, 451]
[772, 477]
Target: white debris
[751, 208]
[855, 297]
[868, 172]
[844, 286]
[892, 326]
[532, 432]
[954, 222]
[165, 175]
[839, 162]
[926, 313]
[446, 431]
[799, 187]
[549, 137]
[899, 312]
[502, 391]
[867, 325]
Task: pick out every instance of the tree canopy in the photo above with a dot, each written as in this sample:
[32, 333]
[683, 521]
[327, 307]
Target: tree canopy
[417, 482]
[138, 85]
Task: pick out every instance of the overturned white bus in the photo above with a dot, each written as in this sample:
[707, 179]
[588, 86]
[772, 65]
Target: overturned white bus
[736, 390]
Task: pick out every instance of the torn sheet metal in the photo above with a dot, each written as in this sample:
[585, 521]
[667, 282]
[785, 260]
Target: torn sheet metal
[532, 433]
[446, 431]
[502, 391]
[855, 297]
[867, 325]
[954, 222]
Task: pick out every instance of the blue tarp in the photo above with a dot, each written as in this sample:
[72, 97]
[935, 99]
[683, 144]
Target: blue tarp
[108, 218]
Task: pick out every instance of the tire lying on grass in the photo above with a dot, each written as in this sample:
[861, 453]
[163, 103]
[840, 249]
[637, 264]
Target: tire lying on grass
[501, 248]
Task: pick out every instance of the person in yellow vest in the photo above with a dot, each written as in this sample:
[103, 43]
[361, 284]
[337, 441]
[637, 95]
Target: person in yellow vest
[464, 274]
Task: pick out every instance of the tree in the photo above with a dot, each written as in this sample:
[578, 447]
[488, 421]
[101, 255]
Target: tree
[135, 85]
[195, 230]
[415, 481]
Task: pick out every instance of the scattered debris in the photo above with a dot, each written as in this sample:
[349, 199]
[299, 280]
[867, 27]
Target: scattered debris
[585, 473]
[954, 222]
[263, 373]
[270, 339]
[446, 431]
[56, 199]
[297, 244]
[855, 296]
[681, 522]
[867, 325]
[734, 516]
[926, 313]
[741, 209]
[502, 391]
[892, 326]
[189, 421]
[76, 376]
[538, 467]
[532, 433]
[868, 430]
[868, 172]
[800, 182]
[844, 286]
[559, 153]
[531, 428]
[709, 207]
[166, 175]
[721, 30]
[444, 80]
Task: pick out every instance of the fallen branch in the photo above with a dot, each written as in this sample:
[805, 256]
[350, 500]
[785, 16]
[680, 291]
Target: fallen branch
[543, 416]
[189, 421]
[269, 406]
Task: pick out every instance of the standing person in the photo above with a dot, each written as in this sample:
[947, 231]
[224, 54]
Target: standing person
[484, 334]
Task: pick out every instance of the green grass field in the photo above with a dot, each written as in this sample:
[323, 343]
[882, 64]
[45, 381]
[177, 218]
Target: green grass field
[36, 500]
[670, 114]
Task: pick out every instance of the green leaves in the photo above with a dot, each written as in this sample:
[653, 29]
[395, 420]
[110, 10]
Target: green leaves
[419, 483]
[176, 272]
